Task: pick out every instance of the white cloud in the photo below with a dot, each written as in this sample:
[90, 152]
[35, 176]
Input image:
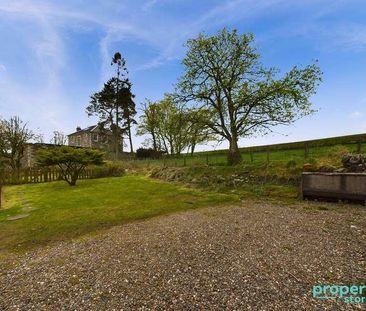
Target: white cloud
[48, 106]
[345, 36]
[165, 35]
[149, 4]
[356, 115]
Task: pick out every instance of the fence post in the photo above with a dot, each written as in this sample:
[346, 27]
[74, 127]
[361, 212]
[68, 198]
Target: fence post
[45, 175]
[267, 156]
[26, 175]
[206, 158]
[251, 156]
[184, 161]
[306, 150]
[358, 147]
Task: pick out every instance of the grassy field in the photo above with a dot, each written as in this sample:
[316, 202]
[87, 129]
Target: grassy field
[327, 155]
[63, 212]
[301, 152]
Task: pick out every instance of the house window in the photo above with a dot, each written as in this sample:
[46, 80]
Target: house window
[79, 140]
[103, 138]
[95, 137]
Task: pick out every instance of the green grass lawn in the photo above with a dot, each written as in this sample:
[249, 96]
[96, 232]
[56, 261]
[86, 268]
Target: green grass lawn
[64, 212]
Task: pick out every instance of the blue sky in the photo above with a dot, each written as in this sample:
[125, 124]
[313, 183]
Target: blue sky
[55, 54]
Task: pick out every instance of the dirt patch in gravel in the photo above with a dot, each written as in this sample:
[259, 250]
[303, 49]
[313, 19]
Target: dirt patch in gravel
[256, 256]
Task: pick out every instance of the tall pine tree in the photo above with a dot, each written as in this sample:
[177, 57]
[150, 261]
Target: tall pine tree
[114, 105]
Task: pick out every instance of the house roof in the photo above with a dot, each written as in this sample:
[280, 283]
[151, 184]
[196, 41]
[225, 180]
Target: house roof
[87, 129]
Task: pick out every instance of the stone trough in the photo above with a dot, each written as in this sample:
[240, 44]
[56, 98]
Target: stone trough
[334, 186]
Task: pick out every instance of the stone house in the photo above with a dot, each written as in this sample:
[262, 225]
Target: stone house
[92, 137]
[30, 153]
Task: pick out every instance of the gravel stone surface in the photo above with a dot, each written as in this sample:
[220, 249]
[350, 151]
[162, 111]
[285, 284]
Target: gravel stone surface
[256, 256]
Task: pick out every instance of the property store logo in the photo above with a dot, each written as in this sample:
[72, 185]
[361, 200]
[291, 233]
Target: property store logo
[348, 294]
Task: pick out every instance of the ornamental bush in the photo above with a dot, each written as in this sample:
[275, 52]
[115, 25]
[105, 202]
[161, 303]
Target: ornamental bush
[71, 161]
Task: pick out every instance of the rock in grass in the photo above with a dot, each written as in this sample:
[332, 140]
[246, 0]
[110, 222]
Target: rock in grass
[16, 217]
[28, 209]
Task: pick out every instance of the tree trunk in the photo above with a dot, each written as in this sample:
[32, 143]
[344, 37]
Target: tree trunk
[234, 155]
[72, 183]
[172, 151]
[192, 149]
[116, 143]
[74, 178]
[129, 136]
[154, 141]
[71, 178]
[116, 139]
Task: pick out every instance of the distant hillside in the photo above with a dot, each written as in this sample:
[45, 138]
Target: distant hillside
[323, 142]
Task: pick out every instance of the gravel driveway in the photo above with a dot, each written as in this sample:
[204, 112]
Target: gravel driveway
[257, 256]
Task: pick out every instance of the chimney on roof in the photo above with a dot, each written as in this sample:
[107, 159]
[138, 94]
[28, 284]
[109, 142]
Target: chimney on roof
[78, 128]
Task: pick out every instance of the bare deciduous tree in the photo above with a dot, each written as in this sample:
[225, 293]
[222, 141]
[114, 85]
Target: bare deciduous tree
[14, 134]
[59, 138]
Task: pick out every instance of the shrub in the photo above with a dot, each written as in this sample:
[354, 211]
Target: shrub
[291, 164]
[313, 161]
[148, 153]
[71, 161]
[308, 167]
[337, 152]
[109, 169]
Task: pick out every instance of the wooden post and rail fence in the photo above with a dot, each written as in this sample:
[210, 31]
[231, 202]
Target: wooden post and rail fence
[268, 153]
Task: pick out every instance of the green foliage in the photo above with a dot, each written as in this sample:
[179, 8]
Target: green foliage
[223, 74]
[313, 161]
[338, 151]
[109, 169]
[150, 124]
[197, 130]
[70, 160]
[172, 126]
[114, 104]
[291, 164]
[148, 153]
[115, 107]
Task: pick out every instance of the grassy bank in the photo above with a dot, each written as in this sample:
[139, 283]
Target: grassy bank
[255, 182]
[62, 212]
